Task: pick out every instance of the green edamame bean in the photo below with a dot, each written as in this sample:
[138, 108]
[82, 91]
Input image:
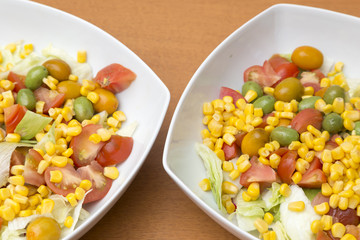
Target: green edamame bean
[83, 108]
[251, 85]
[333, 92]
[266, 102]
[333, 123]
[284, 135]
[35, 76]
[308, 102]
[26, 98]
[357, 128]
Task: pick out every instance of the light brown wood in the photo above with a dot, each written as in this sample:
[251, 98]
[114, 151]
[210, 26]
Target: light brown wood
[173, 38]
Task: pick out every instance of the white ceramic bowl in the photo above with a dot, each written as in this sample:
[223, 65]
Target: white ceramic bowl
[279, 29]
[147, 96]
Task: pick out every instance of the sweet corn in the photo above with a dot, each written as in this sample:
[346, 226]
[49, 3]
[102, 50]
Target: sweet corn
[338, 105]
[343, 203]
[205, 184]
[67, 153]
[285, 190]
[269, 90]
[13, 137]
[20, 198]
[316, 226]
[85, 184]
[220, 154]
[349, 124]
[338, 230]
[297, 206]
[334, 200]
[79, 193]
[274, 160]
[219, 105]
[227, 166]
[16, 180]
[269, 218]
[93, 97]
[72, 199]
[322, 208]
[246, 196]
[22, 190]
[326, 189]
[73, 131]
[230, 207]
[296, 177]
[47, 206]
[250, 95]
[4, 193]
[7, 213]
[56, 176]
[234, 174]
[17, 169]
[68, 221]
[254, 190]
[354, 201]
[261, 225]
[111, 172]
[326, 221]
[229, 139]
[14, 205]
[229, 188]
[348, 236]
[81, 56]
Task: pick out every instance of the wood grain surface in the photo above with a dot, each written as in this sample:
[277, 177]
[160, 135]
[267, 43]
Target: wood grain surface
[173, 38]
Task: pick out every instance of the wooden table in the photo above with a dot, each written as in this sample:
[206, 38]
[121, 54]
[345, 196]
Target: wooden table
[173, 38]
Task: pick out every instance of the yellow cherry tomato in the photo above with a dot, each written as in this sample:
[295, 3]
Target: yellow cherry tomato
[43, 228]
[289, 89]
[253, 141]
[58, 68]
[307, 58]
[107, 101]
[71, 89]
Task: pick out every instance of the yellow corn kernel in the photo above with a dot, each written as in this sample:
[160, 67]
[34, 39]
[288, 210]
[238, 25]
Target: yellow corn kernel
[316, 226]
[209, 143]
[229, 188]
[338, 230]
[20, 198]
[230, 207]
[229, 107]
[218, 104]
[229, 139]
[81, 56]
[56, 176]
[297, 206]
[228, 99]
[85, 184]
[95, 138]
[326, 221]
[34, 200]
[263, 152]
[301, 165]
[294, 145]
[309, 91]
[1, 60]
[343, 203]
[272, 121]
[348, 236]
[14, 205]
[250, 95]
[338, 186]
[261, 225]
[79, 193]
[72, 199]
[73, 131]
[25, 213]
[246, 197]
[326, 189]
[59, 161]
[227, 166]
[337, 153]
[269, 90]
[43, 190]
[93, 97]
[269, 218]
[215, 128]
[326, 156]
[285, 190]
[254, 190]
[303, 150]
[314, 130]
[220, 154]
[258, 112]
[205, 184]
[287, 115]
[296, 177]
[234, 174]
[322, 208]
[4, 193]
[16, 180]
[257, 121]
[274, 160]
[84, 91]
[338, 66]
[69, 221]
[17, 169]
[13, 137]
[67, 153]
[338, 105]
[346, 193]
[320, 104]
[7, 85]
[47, 206]
[73, 78]
[264, 160]
[11, 47]
[111, 172]
[7, 213]
[279, 106]
[22, 190]
[354, 201]
[104, 134]
[334, 200]
[48, 82]
[219, 143]
[270, 235]
[307, 138]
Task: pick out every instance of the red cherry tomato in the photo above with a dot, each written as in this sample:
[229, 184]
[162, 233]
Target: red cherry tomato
[115, 151]
[230, 151]
[286, 166]
[315, 86]
[321, 235]
[259, 173]
[52, 98]
[313, 179]
[85, 151]
[307, 117]
[346, 217]
[283, 67]
[115, 78]
[12, 116]
[30, 173]
[71, 180]
[19, 80]
[225, 91]
[100, 184]
[264, 75]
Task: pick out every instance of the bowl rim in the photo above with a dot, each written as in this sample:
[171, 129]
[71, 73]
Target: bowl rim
[215, 215]
[88, 223]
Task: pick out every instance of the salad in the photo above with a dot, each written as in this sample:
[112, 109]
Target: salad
[283, 154]
[61, 137]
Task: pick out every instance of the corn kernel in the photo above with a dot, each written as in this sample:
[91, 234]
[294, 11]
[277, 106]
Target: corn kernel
[338, 230]
[297, 206]
[229, 188]
[13, 137]
[81, 56]
[111, 172]
[254, 190]
[326, 221]
[261, 225]
[316, 226]
[85, 184]
[17, 169]
[205, 184]
[322, 208]
[348, 236]
[230, 207]
[47, 206]
[296, 177]
[16, 180]
[7, 213]
[72, 199]
[285, 190]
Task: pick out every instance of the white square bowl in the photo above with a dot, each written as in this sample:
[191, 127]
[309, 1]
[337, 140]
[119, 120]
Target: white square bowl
[279, 29]
[145, 101]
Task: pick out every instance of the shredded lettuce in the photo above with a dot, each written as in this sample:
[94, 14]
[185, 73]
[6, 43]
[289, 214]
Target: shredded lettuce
[272, 196]
[31, 124]
[128, 130]
[280, 231]
[49, 137]
[6, 149]
[300, 230]
[213, 166]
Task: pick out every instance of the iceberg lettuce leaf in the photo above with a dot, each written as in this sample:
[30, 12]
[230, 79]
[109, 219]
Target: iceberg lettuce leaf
[31, 124]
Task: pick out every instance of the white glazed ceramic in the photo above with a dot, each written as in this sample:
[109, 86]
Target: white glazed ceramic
[279, 29]
[41, 25]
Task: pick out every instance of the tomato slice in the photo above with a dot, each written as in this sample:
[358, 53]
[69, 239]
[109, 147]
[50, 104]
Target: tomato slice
[71, 180]
[286, 166]
[19, 80]
[12, 116]
[85, 151]
[225, 91]
[239, 137]
[283, 67]
[30, 173]
[313, 179]
[115, 77]
[321, 235]
[52, 98]
[353, 230]
[315, 86]
[100, 184]
[346, 217]
[264, 75]
[230, 151]
[17, 158]
[307, 117]
[265, 117]
[259, 173]
[115, 151]
[318, 199]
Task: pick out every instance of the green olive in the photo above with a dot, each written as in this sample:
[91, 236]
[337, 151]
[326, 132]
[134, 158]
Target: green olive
[35, 76]
[357, 128]
[266, 103]
[251, 85]
[83, 108]
[333, 123]
[308, 102]
[333, 92]
[289, 89]
[284, 135]
[26, 97]
[58, 69]
[44, 228]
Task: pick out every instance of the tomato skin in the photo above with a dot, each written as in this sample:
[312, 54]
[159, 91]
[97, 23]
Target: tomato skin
[71, 179]
[258, 172]
[18, 79]
[346, 217]
[253, 141]
[239, 138]
[313, 179]
[30, 173]
[115, 77]
[307, 117]
[225, 91]
[12, 116]
[307, 57]
[264, 75]
[52, 98]
[321, 235]
[85, 151]
[286, 166]
[115, 151]
[283, 67]
[230, 151]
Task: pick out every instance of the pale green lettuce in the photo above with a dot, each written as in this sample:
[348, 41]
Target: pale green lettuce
[31, 124]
